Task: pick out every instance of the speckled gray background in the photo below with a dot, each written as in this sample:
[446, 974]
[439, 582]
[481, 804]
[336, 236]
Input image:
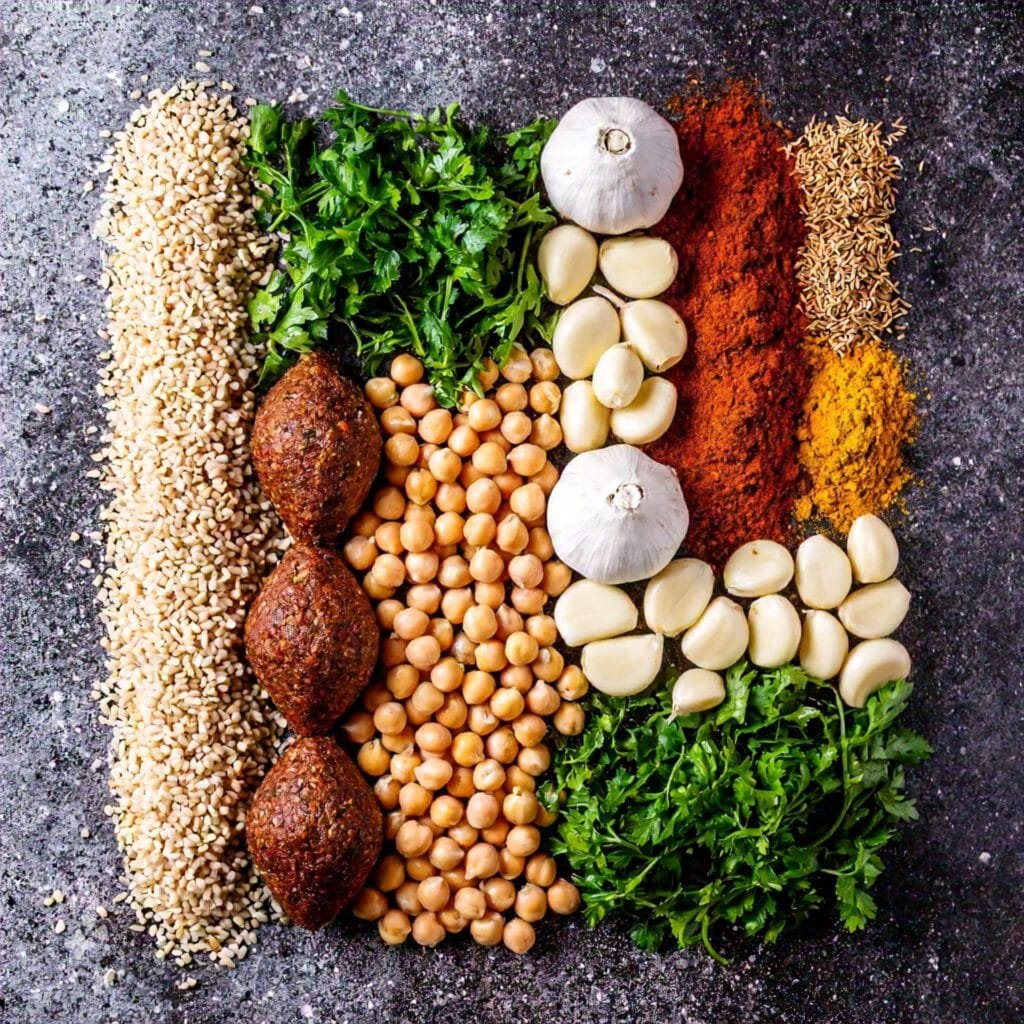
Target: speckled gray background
[949, 941]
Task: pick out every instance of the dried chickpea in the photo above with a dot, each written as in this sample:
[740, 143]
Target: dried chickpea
[480, 623]
[386, 611]
[540, 543]
[464, 440]
[520, 648]
[469, 475]
[544, 365]
[518, 935]
[423, 652]
[479, 529]
[529, 729]
[434, 773]
[418, 868]
[426, 450]
[405, 370]
[456, 877]
[365, 523]
[381, 392]
[469, 902]
[483, 496]
[508, 482]
[506, 704]
[488, 374]
[490, 459]
[509, 864]
[373, 758]
[449, 528]
[373, 696]
[450, 498]
[563, 897]
[436, 426]
[527, 459]
[389, 873]
[467, 749]
[517, 677]
[528, 502]
[393, 821]
[545, 397]
[546, 478]
[397, 420]
[526, 571]
[501, 745]
[433, 893]
[414, 800]
[404, 765]
[420, 486]
[410, 623]
[535, 760]
[389, 503]
[572, 683]
[481, 861]
[511, 397]
[543, 699]
[415, 716]
[418, 399]
[416, 536]
[358, 727]
[406, 898]
[386, 790]
[371, 904]
[452, 714]
[482, 810]
[445, 853]
[421, 566]
[399, 741]
[541, 870]
[461, 783]
[557, 576]
[484, 414]
[360, 552]
[441, 630]
[433, 738]
[515, 777]
[481, 720]
[388, 570]
[446, 811]
[454, 573]
[426, 698]
[516, 427]
[523, 840]
[402, 450]
[389, 538]
[512, 535]
[427, 930]
[486, 566]
[455, 603]
[464, 834]
[509, 621]
[424, 596]
[490, 655]
[546, 817]
[488, 776]
[569, 719]
[486, 931]
[389, 718]
[394, 927]
[375, 590]
[546, 433]
[464, 650]
[542, 628]
[490, 594]
[419, 512]
[531, 903]
[548, 664]
[520, 807]
[444, 466]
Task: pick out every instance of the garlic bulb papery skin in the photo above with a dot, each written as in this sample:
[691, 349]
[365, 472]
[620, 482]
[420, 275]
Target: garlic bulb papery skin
[612, 165]
[616, 516]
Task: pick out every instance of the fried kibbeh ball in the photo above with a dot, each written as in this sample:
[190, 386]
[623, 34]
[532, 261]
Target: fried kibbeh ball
[312, 638]
[314, 831]
[316, 448]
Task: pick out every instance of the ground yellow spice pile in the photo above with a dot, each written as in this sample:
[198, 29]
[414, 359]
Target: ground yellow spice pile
[858, 418]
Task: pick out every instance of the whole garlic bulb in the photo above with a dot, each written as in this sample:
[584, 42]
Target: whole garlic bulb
[612, 165]
[616, 515]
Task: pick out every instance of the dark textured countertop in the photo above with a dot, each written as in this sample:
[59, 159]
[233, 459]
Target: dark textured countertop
[948, 944]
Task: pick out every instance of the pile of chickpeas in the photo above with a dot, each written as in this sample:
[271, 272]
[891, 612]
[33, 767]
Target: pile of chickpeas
[460, 568]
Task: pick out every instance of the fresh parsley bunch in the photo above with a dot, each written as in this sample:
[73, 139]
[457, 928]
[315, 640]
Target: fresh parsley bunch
[413, 232]
[755, 814]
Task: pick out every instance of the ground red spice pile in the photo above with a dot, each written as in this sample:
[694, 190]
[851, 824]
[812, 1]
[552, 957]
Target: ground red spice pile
[737, 226]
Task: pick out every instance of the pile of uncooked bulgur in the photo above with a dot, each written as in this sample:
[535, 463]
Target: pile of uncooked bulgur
[189, 534]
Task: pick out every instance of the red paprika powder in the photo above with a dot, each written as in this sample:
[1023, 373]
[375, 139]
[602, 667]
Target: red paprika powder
[736, 225]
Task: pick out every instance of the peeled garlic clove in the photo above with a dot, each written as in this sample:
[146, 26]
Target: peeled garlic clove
[719, 637]
[875, 610]
[584, 419]
[874, 553]
[655, 330]
[589, 611]
[823, 645]
[567, 260]
[758, 568]
[649, 415]
[696, 690]
[823, 574]
[584, 331]
[869, 666]
[618, 377]
[774, 631]
[623, 666]
[638, 266]
[676, 598]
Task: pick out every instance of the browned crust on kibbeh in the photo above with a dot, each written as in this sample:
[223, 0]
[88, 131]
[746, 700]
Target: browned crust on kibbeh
[312, 638]
[316, 448]
[314, 831]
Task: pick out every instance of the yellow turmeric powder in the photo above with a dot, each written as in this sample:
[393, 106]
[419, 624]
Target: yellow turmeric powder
[858, 418]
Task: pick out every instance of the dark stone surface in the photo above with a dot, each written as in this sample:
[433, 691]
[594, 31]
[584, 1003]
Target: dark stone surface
[949, 941]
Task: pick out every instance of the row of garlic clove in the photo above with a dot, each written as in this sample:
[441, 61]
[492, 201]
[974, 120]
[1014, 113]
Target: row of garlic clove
[605, 344]
[717, 632]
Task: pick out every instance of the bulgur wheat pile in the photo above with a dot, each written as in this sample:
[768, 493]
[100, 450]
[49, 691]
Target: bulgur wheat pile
[189, 534]
[848, 176]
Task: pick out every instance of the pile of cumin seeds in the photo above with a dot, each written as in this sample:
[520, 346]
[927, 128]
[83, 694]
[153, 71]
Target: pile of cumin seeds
[848, 176]
[189, 536]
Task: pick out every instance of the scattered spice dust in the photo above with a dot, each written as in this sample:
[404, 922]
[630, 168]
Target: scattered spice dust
[737, 226]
